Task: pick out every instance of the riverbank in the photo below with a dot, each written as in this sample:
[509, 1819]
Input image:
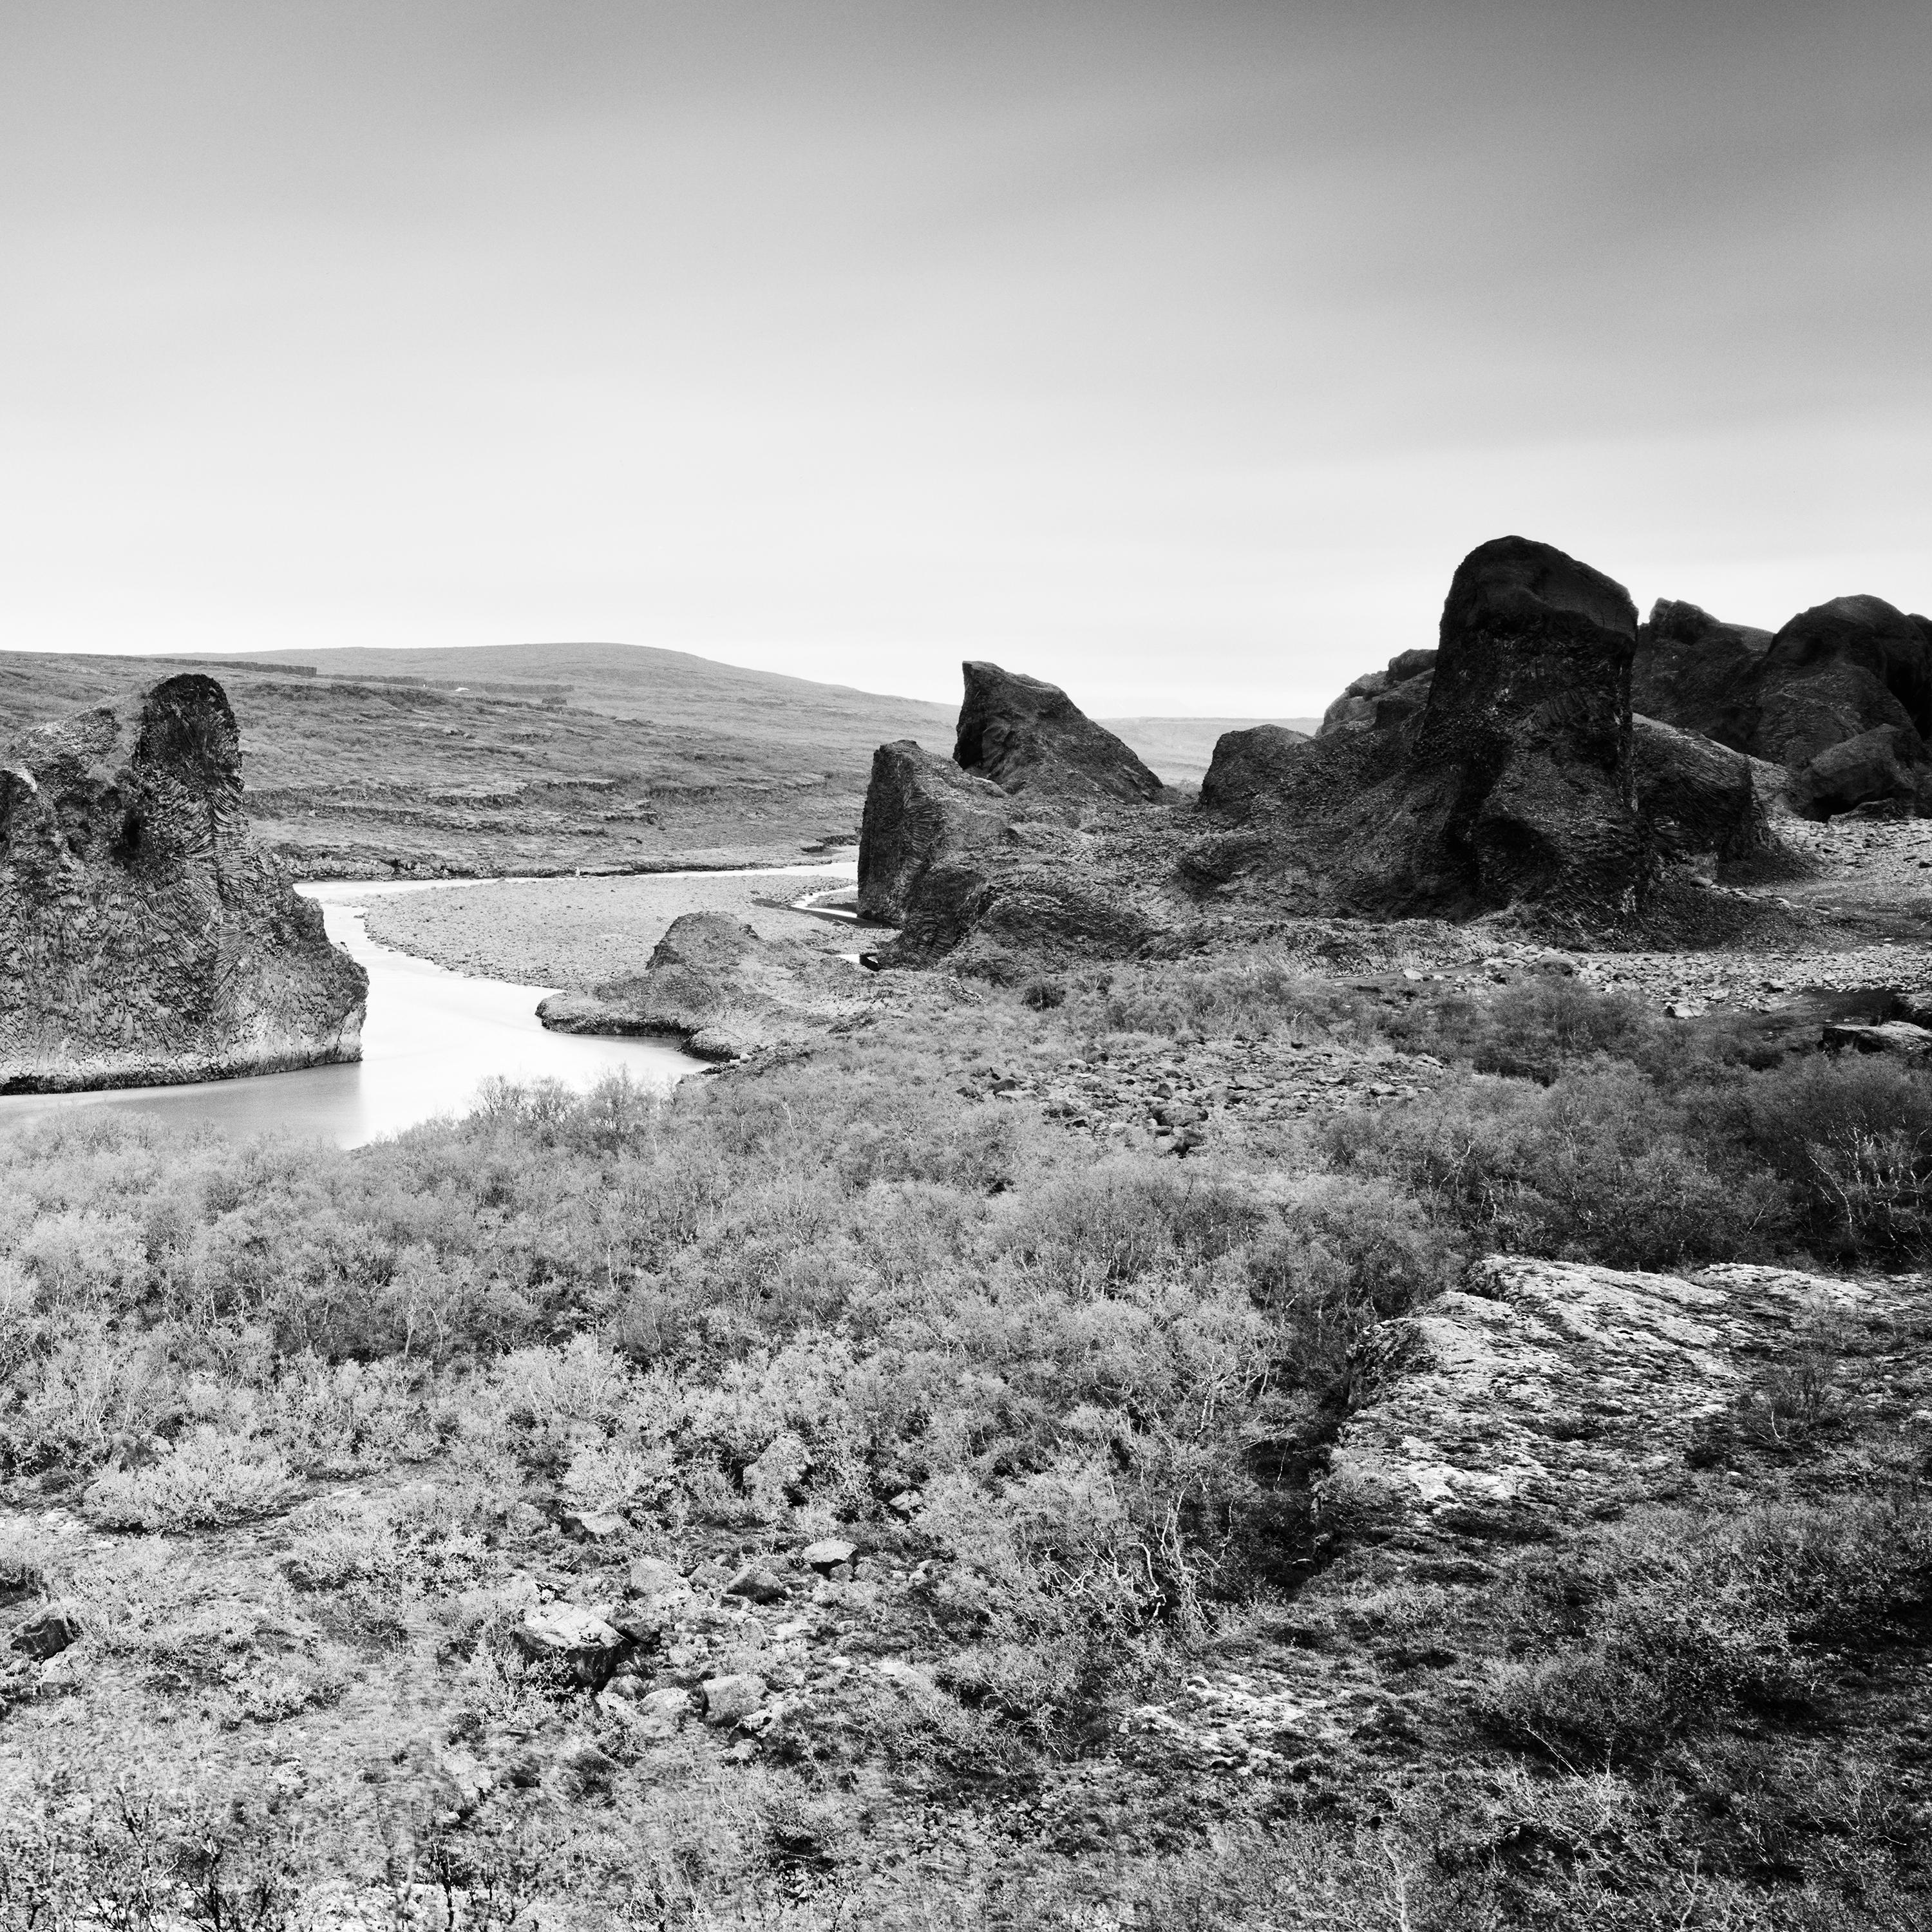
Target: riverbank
[575, 934]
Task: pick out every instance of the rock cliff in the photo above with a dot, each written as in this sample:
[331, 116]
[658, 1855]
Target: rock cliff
[145, 937]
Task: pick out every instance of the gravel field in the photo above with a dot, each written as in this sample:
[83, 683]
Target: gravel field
[572, 935]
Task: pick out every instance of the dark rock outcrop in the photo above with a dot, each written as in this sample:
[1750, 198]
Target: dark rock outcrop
[1699, 798]
[1699, 674]
[1841, 697]
[918, 809]
[1520, 778]
[1027, 736]
[1493, 771]
[989, 849]
[1252, 764]
[1839, 670]
[145, 937]
[1395, 695]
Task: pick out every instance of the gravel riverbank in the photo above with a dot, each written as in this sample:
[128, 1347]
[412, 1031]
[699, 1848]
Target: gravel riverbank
[575, 934]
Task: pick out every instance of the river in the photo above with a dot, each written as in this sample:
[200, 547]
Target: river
[431, 1038]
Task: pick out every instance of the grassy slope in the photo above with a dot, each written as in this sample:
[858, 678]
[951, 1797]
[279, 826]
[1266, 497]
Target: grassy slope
[651, 758]
[666, 761]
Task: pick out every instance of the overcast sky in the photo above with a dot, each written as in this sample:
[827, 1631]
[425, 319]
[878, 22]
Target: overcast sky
[1175, 352]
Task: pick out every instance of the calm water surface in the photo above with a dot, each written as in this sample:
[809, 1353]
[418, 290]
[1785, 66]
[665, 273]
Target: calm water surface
[431, 1038]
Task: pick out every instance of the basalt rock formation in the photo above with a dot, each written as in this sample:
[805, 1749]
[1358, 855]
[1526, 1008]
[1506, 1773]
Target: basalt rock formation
[920, 808]
[1499, 773]
[1700, 799]
[1029, 736]
[990, 848]
[1380, 698]
[1841, 697]
[145, 937]
[1504, 769]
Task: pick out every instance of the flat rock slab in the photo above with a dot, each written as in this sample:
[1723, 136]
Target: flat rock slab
[1545, 1392]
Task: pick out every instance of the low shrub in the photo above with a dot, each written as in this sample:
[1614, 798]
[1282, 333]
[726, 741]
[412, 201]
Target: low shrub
[1671, 1623]
[1597, 1166]
[211, 1477]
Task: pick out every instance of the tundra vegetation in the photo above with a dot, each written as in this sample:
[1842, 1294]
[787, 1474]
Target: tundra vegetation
[294, 1441]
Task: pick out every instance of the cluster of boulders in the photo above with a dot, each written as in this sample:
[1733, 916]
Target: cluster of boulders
[1550, 756]
[1839, 702]
[145, 937]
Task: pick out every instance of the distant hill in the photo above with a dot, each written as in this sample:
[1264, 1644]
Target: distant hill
[1178, 749]
[541, 758]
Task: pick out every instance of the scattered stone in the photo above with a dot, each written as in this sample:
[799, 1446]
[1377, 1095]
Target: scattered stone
[757, 1584]
[829, 1556]
[570, 1635]
[727, 1699]
[652, 1577]
[48, 1632]
[593, 1525]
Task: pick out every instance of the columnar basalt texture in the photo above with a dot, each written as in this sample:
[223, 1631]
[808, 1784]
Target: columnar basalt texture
[1521, 774]
[1027, 736]
[1698, 797]
[145, 937]
[919, 808]
[1697, 674]
[1841, 697]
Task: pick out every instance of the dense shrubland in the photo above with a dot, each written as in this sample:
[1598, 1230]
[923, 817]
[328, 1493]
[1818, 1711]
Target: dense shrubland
[762, 1308]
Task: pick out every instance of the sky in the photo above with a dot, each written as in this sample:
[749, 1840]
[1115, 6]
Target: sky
[1174, 351]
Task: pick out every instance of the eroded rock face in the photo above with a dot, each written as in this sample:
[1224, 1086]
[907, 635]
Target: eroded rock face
[918, 809]
[145, 937]
[1493, 771]
[1520, 775]
[1698, 673]
[1027, 736]
[1698, 797]
[1393, 696]
[1840, 697]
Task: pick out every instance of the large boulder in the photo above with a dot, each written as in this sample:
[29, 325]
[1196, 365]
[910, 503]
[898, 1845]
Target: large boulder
[1884, 765]
[919, 808]
[712, 984]
[145, 937]
[1519, 783]
[1027, 736]
[1699, 798]
[1494, 770]
[1253, 764]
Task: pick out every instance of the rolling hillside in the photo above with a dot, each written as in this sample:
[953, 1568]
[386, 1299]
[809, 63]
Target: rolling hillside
[541, 758]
